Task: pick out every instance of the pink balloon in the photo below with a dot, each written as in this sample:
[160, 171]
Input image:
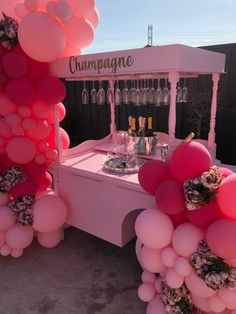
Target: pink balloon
[183, 163]
[20, 10]
[24, 111]
[21, 91]
[154, 228]
[7, 6]
[186, 238]
[44, 181]
[17, 130]
[79, 32]
[148, 277]
[81, 8]
[228, 297]
[31, 5]
[197, 286]
[158, 283]
[16, 253]
[4, 199]
[5, 161]
[216, 304]
[63, 135]
[19, 237]
[71, 50]
[182, 266]
[156, 306]
[174, 204]
[168, 256]
[13, 119]
[146, 292]
[41, 131]
[63, 11]
[151, 260]
[151, 174]
[51, 90]
[93, 17]
[5, 250]
[28, 124]
[225, 171]
[51, 154]
[219, 238]
[2, 238]
[42, 110]
[174, 279]
[14, 64]
[37, 70]
[205, 215]
[43, 146]
[5, 130]
[27, 187]
[41, 45]
[7, 218]
[6, 105]
[49, 212]
[35, 171]
[226, 196]
[61, 113]
[201, 303]
[50, 239]
[178, 219]
[21, 149]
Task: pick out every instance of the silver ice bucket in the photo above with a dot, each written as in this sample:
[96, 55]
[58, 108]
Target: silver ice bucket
[146, 145]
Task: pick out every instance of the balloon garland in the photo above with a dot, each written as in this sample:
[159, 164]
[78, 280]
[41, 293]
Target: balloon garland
[186, 244]
[32, 34]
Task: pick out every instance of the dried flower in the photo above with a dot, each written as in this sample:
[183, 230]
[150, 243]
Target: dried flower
[211, 179]
[8, 31]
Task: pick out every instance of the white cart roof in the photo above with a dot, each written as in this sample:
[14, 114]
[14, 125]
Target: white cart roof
[144, 62]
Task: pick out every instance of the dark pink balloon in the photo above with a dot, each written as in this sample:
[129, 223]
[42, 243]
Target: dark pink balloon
[170, 197]
[61, 113]
[44, 181]
[51, 90]
[27, 187]
[37, 70]
[35, 170]
[189, 160]
[221, 236]
[21, 91]
[5, 161]
[205, 215]
[225, 171]
[226, 196]
[179, 218]
[14, 64]
[152, 173]
[64, 138]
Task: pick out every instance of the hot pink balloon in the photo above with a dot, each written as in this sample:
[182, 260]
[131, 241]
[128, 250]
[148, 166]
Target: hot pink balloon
[5, 129]
[44, 181]
[34, 171]
[24, 111]
[219, 238]
[49, 212]
[205, 215]
[21, 91]
[170, 197]
[13, 119]
[146, 292]
[61, 113]
[225, 172]
[5, 161]
[50, 239]
[156, 306]
[81, 8]
[27, 187]
[93, 17]
[19, 237]
[2, 238]
[17, 130]
[21, 149]
[14, 65]
[42, 110]
[41, 37]
[51, 90]
[151, 174]
[7, 218]
[186, 238]
[179, 218]
[28, 124]
[40, 131]
[154, 228]
[183, 163]
[31, 5]
[6, 105]
[226, 196]
[63, 135]
[197, 286]
[174, 279]
[37, 70]
[79, 32]
[151, 260]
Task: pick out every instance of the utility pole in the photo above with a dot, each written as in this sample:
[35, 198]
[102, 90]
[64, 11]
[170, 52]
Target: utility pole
[150, 35]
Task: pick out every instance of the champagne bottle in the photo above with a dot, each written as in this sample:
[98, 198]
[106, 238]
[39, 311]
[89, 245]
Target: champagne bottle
[189, 137]
[141, 130]
[149, 127]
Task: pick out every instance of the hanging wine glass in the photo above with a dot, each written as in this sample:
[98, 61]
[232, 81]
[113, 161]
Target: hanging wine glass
[118, 95]
[178, 93]
[101, 94]
[110, 96]
[158, 94]
[94, 98]
[165, 94]
[138, 94]
[85, 95]
[144, 93]
[132, 92]
[184, 92]
[125, 94]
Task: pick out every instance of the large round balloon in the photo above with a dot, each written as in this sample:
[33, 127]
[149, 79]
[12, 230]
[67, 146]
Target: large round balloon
[50, 239]
[220, 238]
[41, 36]
[151, 260]
[226, 196]
[49, 212]
[19, 237]
[154, 228]
[170, 197]
[189, 160]
[6, 105]
[81, 8]
[14, 64]
[21, 91]
[21, 149]
[51, 90]
[152, 173]
[79, 32]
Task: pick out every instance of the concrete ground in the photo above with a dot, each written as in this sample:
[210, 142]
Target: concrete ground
[83, 275]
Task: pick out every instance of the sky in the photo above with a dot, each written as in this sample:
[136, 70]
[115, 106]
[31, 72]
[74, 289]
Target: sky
[123, 24]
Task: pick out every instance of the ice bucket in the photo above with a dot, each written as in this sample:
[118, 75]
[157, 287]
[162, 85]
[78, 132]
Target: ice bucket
[146, 145]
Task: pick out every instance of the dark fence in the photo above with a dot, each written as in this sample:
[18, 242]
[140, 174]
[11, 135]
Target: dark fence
[92, 121]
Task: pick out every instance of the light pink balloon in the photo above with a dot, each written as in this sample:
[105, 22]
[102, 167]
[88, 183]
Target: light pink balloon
[7, 218]
[154, 228]
[168, 256]
[13, 119]
[50, 213]
[61, 113]
[31, 5]
[150, 259]
[16, 252]
[93, 17]
[6, 105]
[50, 239]
[63, 11]
[41, 45]
[174, 279]
[216, 304]
[201, 303]
[20, 10]
[231, 261]
[148, 277]
[7, 6]
[186, 238]
[197, 286]
[5, 250]
[19, 237]
[79, 32]
[4, 199]
[182, 266]
[51, 7]
[156, 306]
[81, 8]
[2, 238]
[158, 283]
[146, 292]
[71, 50]
[228, 297]
[21, 149]
[41, 130]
